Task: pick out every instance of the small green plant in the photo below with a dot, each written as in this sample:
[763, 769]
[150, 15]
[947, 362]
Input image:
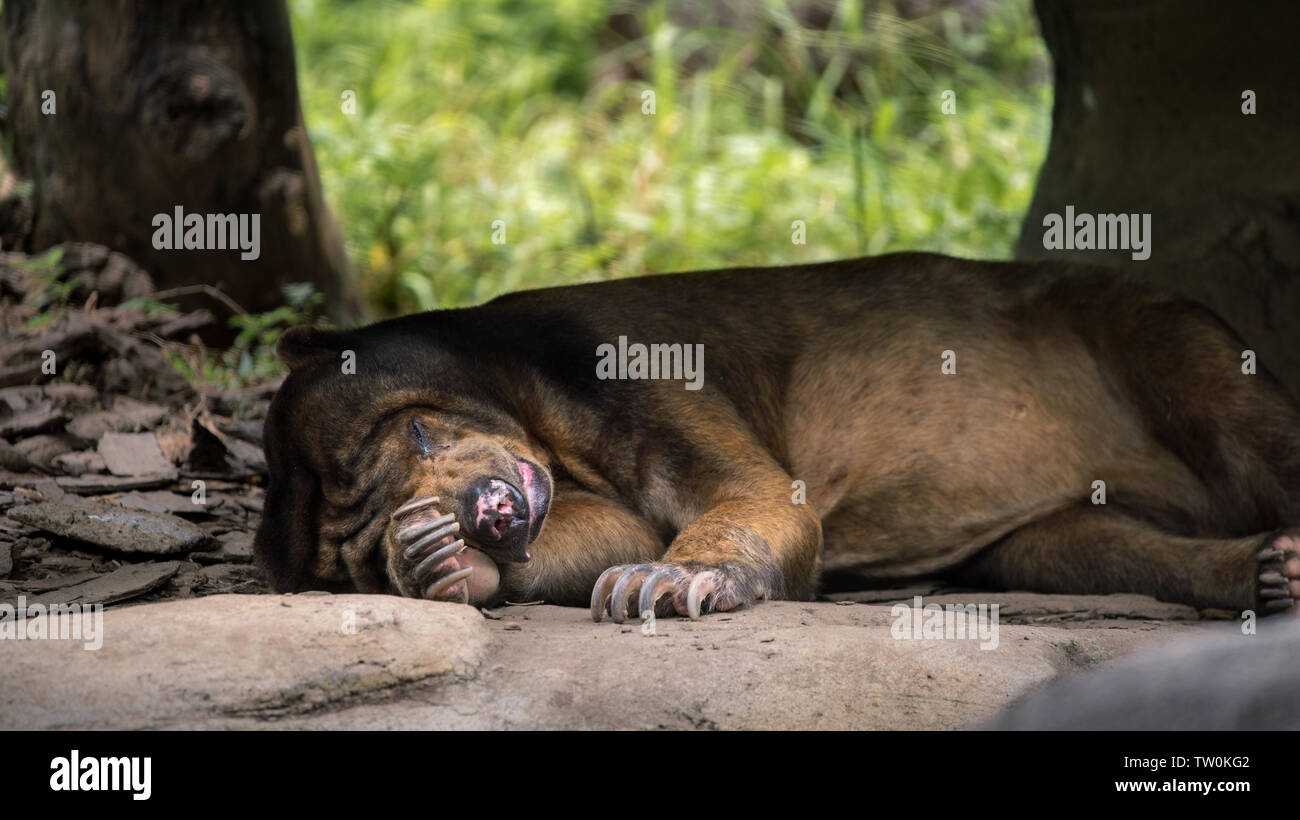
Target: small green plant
[150, 306]
[251, 357]
[50, 293]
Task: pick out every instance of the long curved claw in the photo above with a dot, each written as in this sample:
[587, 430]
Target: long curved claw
[660, 583]
[419, 547]
[702, 586]
[601, 592]
[417, 530]
[434, 561]
[673, 588]
[414, 505]
[623, 590]
[445, 582]
[1278, 582]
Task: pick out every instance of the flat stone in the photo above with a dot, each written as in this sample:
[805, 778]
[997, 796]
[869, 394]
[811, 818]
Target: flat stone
[127, 416]
[143, 413]
[289, 662]
[31, 486]
[70, 392]
[780, 665]
[133, 454]
[130, 581]
[57, 582]
[34, 418]
[162, 501]
[93, 425]
[49, 489]
[80, 462]
[97, 484]
[17, 397]
[112, 526]
[6, 559]
[42, 449]
[239, 656]
[232, 577]
[60, 561]
[236, 548]
[16, 460]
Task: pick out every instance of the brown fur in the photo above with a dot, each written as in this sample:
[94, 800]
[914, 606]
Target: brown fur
[826, 374]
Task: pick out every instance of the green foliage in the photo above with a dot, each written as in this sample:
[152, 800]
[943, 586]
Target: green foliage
[531, 112]
[49, 292]
[150, 306]
[252, 355]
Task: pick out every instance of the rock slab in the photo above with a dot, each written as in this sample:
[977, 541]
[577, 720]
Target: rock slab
[239, 661]
[115, 527]
[250, 656]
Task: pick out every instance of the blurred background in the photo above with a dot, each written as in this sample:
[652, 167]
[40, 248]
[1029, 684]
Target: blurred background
[404, 155]
[765, 113]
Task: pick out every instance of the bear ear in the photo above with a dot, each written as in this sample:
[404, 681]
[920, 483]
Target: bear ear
[303, 346]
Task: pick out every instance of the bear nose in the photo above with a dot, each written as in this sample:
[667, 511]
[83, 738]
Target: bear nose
[498, 516]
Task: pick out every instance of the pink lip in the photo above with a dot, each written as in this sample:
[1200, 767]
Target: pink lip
[530, 488]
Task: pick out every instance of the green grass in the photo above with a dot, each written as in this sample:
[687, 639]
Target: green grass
[483, 110]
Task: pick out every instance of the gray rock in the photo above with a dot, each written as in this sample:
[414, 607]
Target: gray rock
[130, 581]
[163, 501]
[232, 656]
[79, 463]
[44, 448]
[236, 548]
[1224, 681]
[18, 397]
[70, 392]
[127, 416]
[289, 662]
[34, 418]
[6, 559]
[115, 527]
[96, 484]
[232, 577]
[57, 582]
[133, 454]
[16, 460]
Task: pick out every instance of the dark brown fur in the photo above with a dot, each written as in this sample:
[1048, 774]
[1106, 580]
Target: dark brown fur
[826, 374]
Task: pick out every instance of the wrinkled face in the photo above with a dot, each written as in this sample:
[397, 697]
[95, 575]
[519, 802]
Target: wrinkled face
[493, 486]
[387, 482]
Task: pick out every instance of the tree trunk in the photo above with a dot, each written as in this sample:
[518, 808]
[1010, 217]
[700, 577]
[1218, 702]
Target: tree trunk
[1149, 119]
[160, 105]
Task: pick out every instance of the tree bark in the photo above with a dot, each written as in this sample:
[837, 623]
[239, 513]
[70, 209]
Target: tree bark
[1149, 118]
[159, 105]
